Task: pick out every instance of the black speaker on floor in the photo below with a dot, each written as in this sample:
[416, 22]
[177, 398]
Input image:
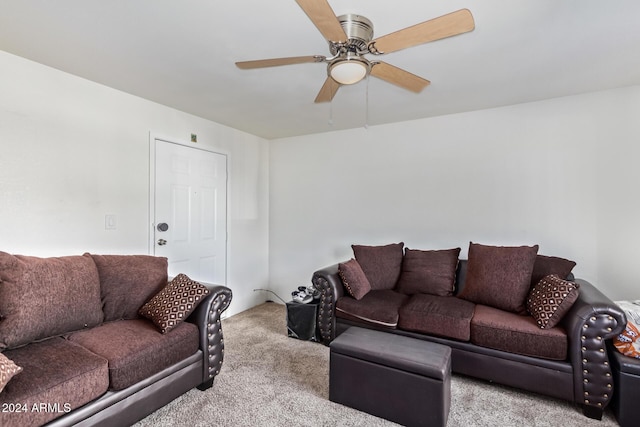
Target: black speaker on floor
[301, 321]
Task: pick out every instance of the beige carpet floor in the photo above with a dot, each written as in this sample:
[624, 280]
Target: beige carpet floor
[269, 379]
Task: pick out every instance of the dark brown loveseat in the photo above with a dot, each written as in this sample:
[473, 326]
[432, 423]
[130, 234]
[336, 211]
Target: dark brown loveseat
[424, 297]
[87, 356]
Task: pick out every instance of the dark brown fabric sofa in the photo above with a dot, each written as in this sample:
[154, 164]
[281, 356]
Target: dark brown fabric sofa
[88, 357]
[568, 361]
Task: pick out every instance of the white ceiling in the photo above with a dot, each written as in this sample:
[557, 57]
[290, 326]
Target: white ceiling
[181, 53]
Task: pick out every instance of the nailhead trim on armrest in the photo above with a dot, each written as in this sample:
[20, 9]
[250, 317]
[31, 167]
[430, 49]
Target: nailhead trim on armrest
[325, 309]
[595, 360]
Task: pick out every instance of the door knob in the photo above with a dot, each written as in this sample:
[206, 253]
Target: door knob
[162, 242]
[163, 226]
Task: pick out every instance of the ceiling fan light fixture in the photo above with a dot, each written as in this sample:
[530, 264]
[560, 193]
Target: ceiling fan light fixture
[349, 69]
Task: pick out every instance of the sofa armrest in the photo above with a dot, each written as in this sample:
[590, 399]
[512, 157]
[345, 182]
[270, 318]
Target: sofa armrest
[592, 320]
[207, 317]
[328, 282]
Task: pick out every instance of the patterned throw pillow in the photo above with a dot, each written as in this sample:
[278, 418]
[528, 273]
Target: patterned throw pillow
[550, 299]
[174, 303]
[7, 370]
[354, 279]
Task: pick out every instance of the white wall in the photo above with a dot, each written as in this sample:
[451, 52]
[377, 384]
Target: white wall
[561, 173]
[72, 151]
[617, 167]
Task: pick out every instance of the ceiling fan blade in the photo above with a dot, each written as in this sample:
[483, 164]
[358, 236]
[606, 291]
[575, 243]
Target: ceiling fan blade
[323, 17]
[328, 90]
[445, 26]
[275, 62]
[399, 77]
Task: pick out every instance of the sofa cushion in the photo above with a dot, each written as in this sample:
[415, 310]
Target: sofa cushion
[546, 265]
[45, 297]
[502, 330]
[378, 307]
[428, 272]
[550, 299]
[8, 369]
[136, 350]
[354, 279]
[381, 264]
[499, 276]
[56, 373]
[129, 281]
[174, 303]
[437, 315]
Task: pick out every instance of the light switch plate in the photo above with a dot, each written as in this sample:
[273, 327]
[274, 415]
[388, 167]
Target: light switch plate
[110, 222]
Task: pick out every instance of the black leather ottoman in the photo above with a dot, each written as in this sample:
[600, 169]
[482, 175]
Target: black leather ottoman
[626, 388]
[401, 379]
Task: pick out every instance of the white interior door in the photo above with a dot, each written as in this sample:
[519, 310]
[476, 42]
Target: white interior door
[190, 212]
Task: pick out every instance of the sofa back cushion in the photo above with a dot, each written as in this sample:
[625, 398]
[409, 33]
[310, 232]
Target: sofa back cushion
[45, 297]
[428, 272]
[129, 281]
[499, 276]
[546, 265]
[381, 264]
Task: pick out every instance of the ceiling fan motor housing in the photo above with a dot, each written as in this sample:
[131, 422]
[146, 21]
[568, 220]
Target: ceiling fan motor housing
[359, 31]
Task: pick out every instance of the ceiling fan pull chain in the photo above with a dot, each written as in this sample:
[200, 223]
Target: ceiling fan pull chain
[366, 108]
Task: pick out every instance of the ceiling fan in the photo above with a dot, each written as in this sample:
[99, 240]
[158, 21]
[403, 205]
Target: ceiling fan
[350, 38]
